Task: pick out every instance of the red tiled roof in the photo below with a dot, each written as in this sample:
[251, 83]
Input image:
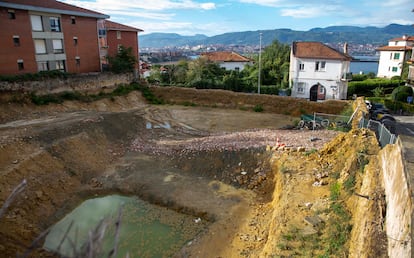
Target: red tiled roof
[394, 48]
[317, 50]
[224, 56]
[110, 25]
[407, 38]
[52, 6]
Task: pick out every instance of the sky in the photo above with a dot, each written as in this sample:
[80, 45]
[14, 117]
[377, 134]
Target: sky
[214, 17]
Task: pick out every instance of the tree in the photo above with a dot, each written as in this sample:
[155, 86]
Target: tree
[124, 61]
[203, 73]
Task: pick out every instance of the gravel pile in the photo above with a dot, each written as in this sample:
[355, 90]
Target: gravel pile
[236, 141]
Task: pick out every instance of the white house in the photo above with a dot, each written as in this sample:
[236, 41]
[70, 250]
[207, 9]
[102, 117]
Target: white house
[228, 60]
[393, 56]
[318, 72]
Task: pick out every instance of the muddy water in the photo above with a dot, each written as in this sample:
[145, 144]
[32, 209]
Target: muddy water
[146, 230]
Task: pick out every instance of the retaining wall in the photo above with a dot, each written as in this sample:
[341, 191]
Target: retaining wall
[398, 199]
[84, 83]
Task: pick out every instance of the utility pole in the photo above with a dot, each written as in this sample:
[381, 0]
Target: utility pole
[260, 62]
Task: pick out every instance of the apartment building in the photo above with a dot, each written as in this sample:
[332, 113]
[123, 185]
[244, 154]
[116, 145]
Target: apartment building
[41, 35]
[393, 56]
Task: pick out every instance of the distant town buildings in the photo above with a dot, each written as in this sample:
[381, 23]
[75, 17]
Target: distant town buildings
[228, 60]
[50, 35]
[318, 72]
[393, 56]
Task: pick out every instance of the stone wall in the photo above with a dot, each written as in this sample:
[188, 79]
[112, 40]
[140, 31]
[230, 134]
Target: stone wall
[84, 83]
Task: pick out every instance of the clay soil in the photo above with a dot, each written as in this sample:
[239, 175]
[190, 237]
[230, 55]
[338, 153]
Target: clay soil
[213, 160]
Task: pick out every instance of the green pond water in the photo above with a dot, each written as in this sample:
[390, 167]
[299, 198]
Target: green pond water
[146, 230]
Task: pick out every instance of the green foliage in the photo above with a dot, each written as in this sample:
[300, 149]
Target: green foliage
[363, 77]
[258, 108]
[335, 191]
[401, 93]
[378, 92]
[40, 76]
[121, 90]
[366, 87]
[124, 61]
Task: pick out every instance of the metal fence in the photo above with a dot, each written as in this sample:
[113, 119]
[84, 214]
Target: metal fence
[382, 131]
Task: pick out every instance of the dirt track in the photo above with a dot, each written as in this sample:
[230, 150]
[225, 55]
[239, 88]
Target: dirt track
[187, 158]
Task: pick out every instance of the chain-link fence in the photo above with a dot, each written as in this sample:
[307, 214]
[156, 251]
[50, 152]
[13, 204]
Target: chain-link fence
[382, 130]
[325, 121]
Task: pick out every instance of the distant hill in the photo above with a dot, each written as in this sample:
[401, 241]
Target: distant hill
[333, 34]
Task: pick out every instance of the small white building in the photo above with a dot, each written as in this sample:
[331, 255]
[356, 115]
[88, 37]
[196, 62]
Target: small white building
[228, 60]
[318, 72]
[393, 56]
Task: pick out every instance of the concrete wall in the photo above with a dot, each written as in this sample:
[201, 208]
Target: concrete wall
[83, 83]
[399, 200]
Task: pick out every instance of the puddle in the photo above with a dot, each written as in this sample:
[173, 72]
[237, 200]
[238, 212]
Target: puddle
[146, 230]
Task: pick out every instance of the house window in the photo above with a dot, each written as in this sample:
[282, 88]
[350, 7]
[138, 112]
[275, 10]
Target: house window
[36, 21]
[301, 66]
[119, 47]
[118, 35]
[396, 56]
[301, 87]
[20, 64]
[394, 69]
[54, 24]
[73, 19]
[42, 66]
[60, 65]
[11, 14]
[40, 46]
[57, 46]
[320, 65]
[75, 41]
[77, 59]
[16, 41]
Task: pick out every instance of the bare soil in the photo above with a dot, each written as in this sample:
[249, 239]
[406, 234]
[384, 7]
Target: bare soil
[215, 163]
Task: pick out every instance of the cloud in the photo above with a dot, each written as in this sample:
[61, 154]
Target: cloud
[158, 5]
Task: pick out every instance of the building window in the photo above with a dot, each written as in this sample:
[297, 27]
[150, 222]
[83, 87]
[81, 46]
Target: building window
[118, 35]
[75, 41]
[394, 69]
[20, 64]
[77, 59]
[73, 19]
[40, 46]
[301, 87]
[60, 65]
[43, 66]
[36, 22]
[16, 41]
[54, 24]
[396, 56]
[321, 89]
[119, 47]
[320, 65]
[301, 66]
[390, 56]
[57, 46]
[102, 32]
[11, 14]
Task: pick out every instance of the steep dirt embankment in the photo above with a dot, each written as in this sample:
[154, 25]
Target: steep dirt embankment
[326, 202]
[229, 99]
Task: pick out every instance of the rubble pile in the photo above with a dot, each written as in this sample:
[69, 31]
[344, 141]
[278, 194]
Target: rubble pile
[236, 141]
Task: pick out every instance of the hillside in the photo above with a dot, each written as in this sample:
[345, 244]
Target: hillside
[333, 34]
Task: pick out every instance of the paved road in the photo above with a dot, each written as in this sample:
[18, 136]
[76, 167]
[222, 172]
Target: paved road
[405, 125]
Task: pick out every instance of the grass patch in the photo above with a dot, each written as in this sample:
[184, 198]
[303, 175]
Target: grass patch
[121, 90]
[258, 108]
[310, 152]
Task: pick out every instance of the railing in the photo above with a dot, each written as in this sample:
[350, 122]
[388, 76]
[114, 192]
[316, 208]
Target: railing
[383, 134]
